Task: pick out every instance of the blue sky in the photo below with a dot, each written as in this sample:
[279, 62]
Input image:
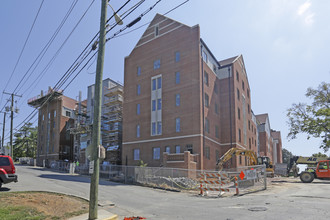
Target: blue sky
[285, 45]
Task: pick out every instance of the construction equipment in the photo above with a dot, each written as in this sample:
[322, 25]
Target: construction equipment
[254, 160]
[311, 162]
[322, 171]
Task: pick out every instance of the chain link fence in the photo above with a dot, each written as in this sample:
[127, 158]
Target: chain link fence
[250, 179]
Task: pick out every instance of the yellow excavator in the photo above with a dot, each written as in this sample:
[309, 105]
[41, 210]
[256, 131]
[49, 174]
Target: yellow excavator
[254, 160]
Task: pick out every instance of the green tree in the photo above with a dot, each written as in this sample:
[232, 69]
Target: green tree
[25, 143]
[313, 119]
[319, 154]
[286, 155]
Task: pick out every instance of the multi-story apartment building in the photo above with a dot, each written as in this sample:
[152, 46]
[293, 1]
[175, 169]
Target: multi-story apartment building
[277, 147]
[178, 97]
[107, 84]
[56, 117]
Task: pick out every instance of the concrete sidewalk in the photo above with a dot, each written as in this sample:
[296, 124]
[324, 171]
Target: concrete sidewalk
[101, 214]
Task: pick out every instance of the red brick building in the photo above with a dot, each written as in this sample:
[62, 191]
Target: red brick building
[56, 116]
[177, 98]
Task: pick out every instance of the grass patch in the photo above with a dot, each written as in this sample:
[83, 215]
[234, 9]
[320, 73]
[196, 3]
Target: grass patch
[40, 205]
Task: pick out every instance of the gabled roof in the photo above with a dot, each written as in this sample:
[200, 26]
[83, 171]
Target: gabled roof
[229, 61]
[262, 118]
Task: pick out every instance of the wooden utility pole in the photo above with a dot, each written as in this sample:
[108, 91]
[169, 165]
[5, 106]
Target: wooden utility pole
[93, 196]
[3, 129]
[11, 122]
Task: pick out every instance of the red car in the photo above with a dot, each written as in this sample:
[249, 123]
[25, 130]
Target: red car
[7, 170]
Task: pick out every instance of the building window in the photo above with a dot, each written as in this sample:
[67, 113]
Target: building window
[159, 104]
[168, 149]
[138, 89]
[154, 85]
[206, 78]
[239, 135]
[243, 86]
[54, 124]
[207, 125]
[249, 124]
[156, 30]
[177, 125]
[248, 108]
[237, 76]
[177, 99]
[177, 56]
[153, 128]
[217, 131]
[240, 159]
[177, 149]
[239, 113]
[177, 78]
[138, 109]
[215, 88]
[217, 155]
[216, 108]
[153, 105]
[189, 148]
[248, 93]
[136, 154]
[138, 70]
[156, 153]
[159, 127]
[54, 113]
[250, 143]
[67, 114]
[207, 152]
[206, 100]
[204, 55]
[238, 94]
[159, 82]
[156, 64]
[138, 131]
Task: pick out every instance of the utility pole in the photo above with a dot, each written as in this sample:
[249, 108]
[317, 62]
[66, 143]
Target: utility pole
[93, 196]
[3, 129]
[11, 121]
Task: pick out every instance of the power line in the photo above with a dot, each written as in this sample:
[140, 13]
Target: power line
[26, 40]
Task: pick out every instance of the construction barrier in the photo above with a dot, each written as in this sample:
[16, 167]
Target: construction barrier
[213, 182]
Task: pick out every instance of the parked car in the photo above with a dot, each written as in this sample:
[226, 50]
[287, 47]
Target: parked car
[7, 170]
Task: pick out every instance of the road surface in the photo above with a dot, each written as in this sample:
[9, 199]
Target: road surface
[285, 198]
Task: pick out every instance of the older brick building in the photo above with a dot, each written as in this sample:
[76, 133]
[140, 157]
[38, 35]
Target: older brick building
[55, 118]
[177, 98]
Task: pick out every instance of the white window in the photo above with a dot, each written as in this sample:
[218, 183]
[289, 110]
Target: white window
[138, 131]
[177, 125]
[156, 153]
[159, 82]
[153, 105]
[153, 84]
[168, 149]
[156, 64]
[177, 78]
[136, 154]
[177, 99]
[159, 127]
[153, 125]
[67, 113]
[177, 149]
[177, 56]
[159, 104]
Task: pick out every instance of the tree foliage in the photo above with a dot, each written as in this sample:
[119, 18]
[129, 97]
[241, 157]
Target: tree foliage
[25, 143]
[286, 155]
[319, 154]
[313, 119]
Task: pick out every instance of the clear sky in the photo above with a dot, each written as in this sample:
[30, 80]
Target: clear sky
[285, 46]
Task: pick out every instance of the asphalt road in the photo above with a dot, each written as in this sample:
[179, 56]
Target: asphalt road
[285, 198]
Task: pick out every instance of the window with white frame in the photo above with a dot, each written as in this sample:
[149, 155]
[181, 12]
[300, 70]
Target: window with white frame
[136, 154]
[153, 128]
[154, 87]
[153, 105]
[156, 153]
[159, 127]
[159, 82]
[156, 105]
[159, 104]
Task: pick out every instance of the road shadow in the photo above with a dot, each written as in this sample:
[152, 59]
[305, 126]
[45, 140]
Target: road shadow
[78, 178]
